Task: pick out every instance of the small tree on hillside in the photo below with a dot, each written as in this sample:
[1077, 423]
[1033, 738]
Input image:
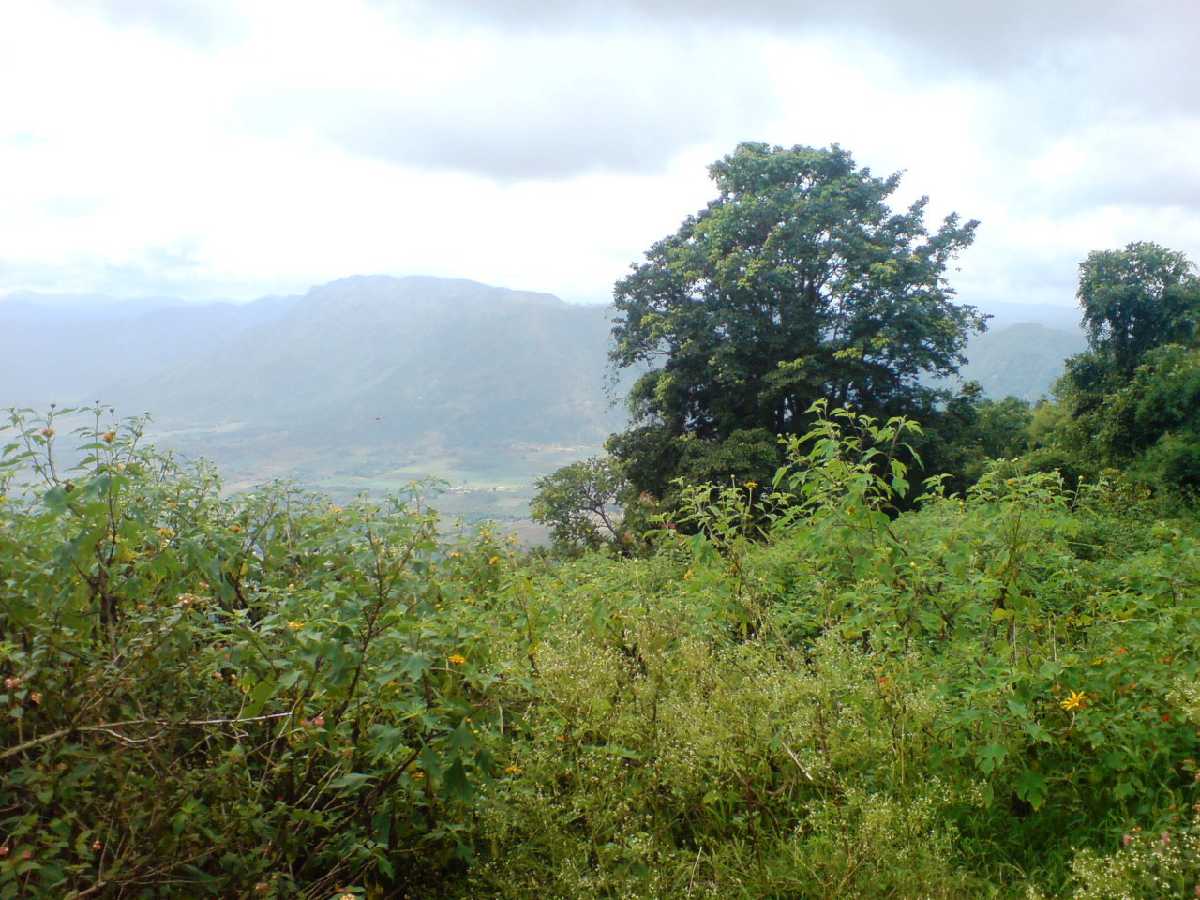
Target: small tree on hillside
[578, 503]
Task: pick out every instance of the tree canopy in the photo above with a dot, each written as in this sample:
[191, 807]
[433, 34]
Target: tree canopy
[797, 282]
[1136, 299]
[1132, 400]
[578, 503]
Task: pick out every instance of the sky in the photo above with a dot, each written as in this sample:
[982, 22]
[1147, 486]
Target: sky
[236, 149]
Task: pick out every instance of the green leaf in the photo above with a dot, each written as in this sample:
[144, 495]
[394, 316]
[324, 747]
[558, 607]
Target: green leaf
[430, 761]
[262, 692]
[351, 780]
[55, 500]
[455, 782]
[1032, 788]
[1037, 733]
[415, 665]
[461, 739]
[1018, 709]
[990, 757]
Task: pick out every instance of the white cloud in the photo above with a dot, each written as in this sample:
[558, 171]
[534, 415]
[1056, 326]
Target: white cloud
[240, 150]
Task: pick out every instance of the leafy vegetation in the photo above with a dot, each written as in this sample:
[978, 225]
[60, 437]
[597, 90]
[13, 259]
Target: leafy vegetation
[579, 504]
[806, 695]
[798, 281]
[1132, 400]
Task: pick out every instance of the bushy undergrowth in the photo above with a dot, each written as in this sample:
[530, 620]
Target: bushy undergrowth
[805, 696]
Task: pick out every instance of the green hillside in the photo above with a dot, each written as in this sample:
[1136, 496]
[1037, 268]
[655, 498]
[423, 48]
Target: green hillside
[1022, 360]
[269, 695]
[801, 663]
[377, 359]
[365, 383]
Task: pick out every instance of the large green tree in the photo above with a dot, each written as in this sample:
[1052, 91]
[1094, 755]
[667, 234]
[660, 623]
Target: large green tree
[1132, 400]
[1136, 299]
[797, 282]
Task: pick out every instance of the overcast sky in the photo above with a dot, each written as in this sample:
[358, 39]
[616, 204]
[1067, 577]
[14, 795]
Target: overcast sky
[235, 149]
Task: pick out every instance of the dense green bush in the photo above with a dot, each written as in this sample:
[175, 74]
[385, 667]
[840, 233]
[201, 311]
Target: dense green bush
[799, 693]
[216, 695]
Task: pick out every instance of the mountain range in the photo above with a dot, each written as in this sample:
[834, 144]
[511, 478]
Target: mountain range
[371, 381]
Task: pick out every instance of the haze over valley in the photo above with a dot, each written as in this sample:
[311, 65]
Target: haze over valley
[368, 383]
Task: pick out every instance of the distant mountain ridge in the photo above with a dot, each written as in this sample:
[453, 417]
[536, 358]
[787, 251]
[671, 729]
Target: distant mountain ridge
[1006, 314]
[65, 348]
[1020, 360]
[393, 359]
[368, 381]
[410, 355]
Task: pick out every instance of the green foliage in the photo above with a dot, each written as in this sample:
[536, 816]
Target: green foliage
[1131, 402]
[579, 504]
[1137, 299]
[1002, 427]
[811, 694]
[1148, 422]
[265, 694]
[797, 282]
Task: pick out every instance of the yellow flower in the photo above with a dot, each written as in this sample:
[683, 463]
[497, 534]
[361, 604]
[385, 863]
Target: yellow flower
[1075, 700]
[456, 659]
[108, 437]
[418, 775]
[687, 576]
[513, 770]
[493, 561]
[295, 626]
[751, 485]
